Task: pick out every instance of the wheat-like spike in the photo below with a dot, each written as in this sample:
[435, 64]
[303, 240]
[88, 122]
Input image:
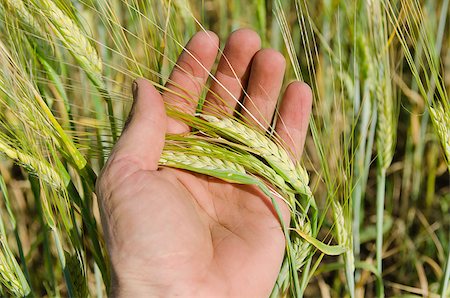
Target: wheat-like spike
[441, 120]
[25, 16]
[8, 279]
[301, 250]
[74, 40]
[273, 153]
[343, 237]
[10, 273]
[81, 49]
[172, 158]
[382, 87]
[342, 234]
[40, 168]
[198, 147]
[302, 247]
[385, 130]
[248, 161]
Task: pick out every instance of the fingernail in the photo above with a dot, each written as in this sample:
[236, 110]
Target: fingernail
[134, 90]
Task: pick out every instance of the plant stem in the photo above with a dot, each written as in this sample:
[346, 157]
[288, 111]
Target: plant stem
[381, 184]
[443, 288]
[62, 261]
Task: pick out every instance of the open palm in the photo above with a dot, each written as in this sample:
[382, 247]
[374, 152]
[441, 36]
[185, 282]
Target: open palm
[174, 233]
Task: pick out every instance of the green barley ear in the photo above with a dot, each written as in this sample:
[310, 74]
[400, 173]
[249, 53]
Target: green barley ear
[12, 278]
[384, 97]
[441, 120]
[302, 248]
[20, 95]
[426, 68]
[274, 154]
[386, 113]
[386, 124]
[200, 147]
[29, 22]
[73, 39]
[212, 166]
[344, 238]
[41, 168]
[78, 44]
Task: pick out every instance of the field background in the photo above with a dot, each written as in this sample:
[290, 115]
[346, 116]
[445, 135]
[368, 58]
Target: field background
[380, 130]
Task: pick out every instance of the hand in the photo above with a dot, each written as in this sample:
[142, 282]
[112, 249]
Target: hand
[174, 233]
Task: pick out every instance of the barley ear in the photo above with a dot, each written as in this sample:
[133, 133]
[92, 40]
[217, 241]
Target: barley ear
[277, 157]
[73, 39]
[441, 121]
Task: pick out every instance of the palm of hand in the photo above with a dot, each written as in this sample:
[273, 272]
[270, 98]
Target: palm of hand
[170, 232]
[207, 235]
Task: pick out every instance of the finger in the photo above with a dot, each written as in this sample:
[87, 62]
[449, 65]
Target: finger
[264, 85]
[190, 74]
[232, 71]
[295, 109]
[142, 139]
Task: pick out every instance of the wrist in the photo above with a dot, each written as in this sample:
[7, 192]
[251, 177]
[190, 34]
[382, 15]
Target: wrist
[135, 286]
[124, 284]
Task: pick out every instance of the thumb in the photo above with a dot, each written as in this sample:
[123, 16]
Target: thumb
[142, 139]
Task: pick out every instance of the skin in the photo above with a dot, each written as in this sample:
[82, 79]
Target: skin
[174, 233]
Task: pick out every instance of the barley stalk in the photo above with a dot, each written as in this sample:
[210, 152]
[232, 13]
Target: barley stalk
[386, 123]
[77, 275]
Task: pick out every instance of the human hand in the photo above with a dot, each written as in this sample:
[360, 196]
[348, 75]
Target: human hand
[170, 232]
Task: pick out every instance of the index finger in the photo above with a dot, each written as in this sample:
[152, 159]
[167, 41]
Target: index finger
[189, 76]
